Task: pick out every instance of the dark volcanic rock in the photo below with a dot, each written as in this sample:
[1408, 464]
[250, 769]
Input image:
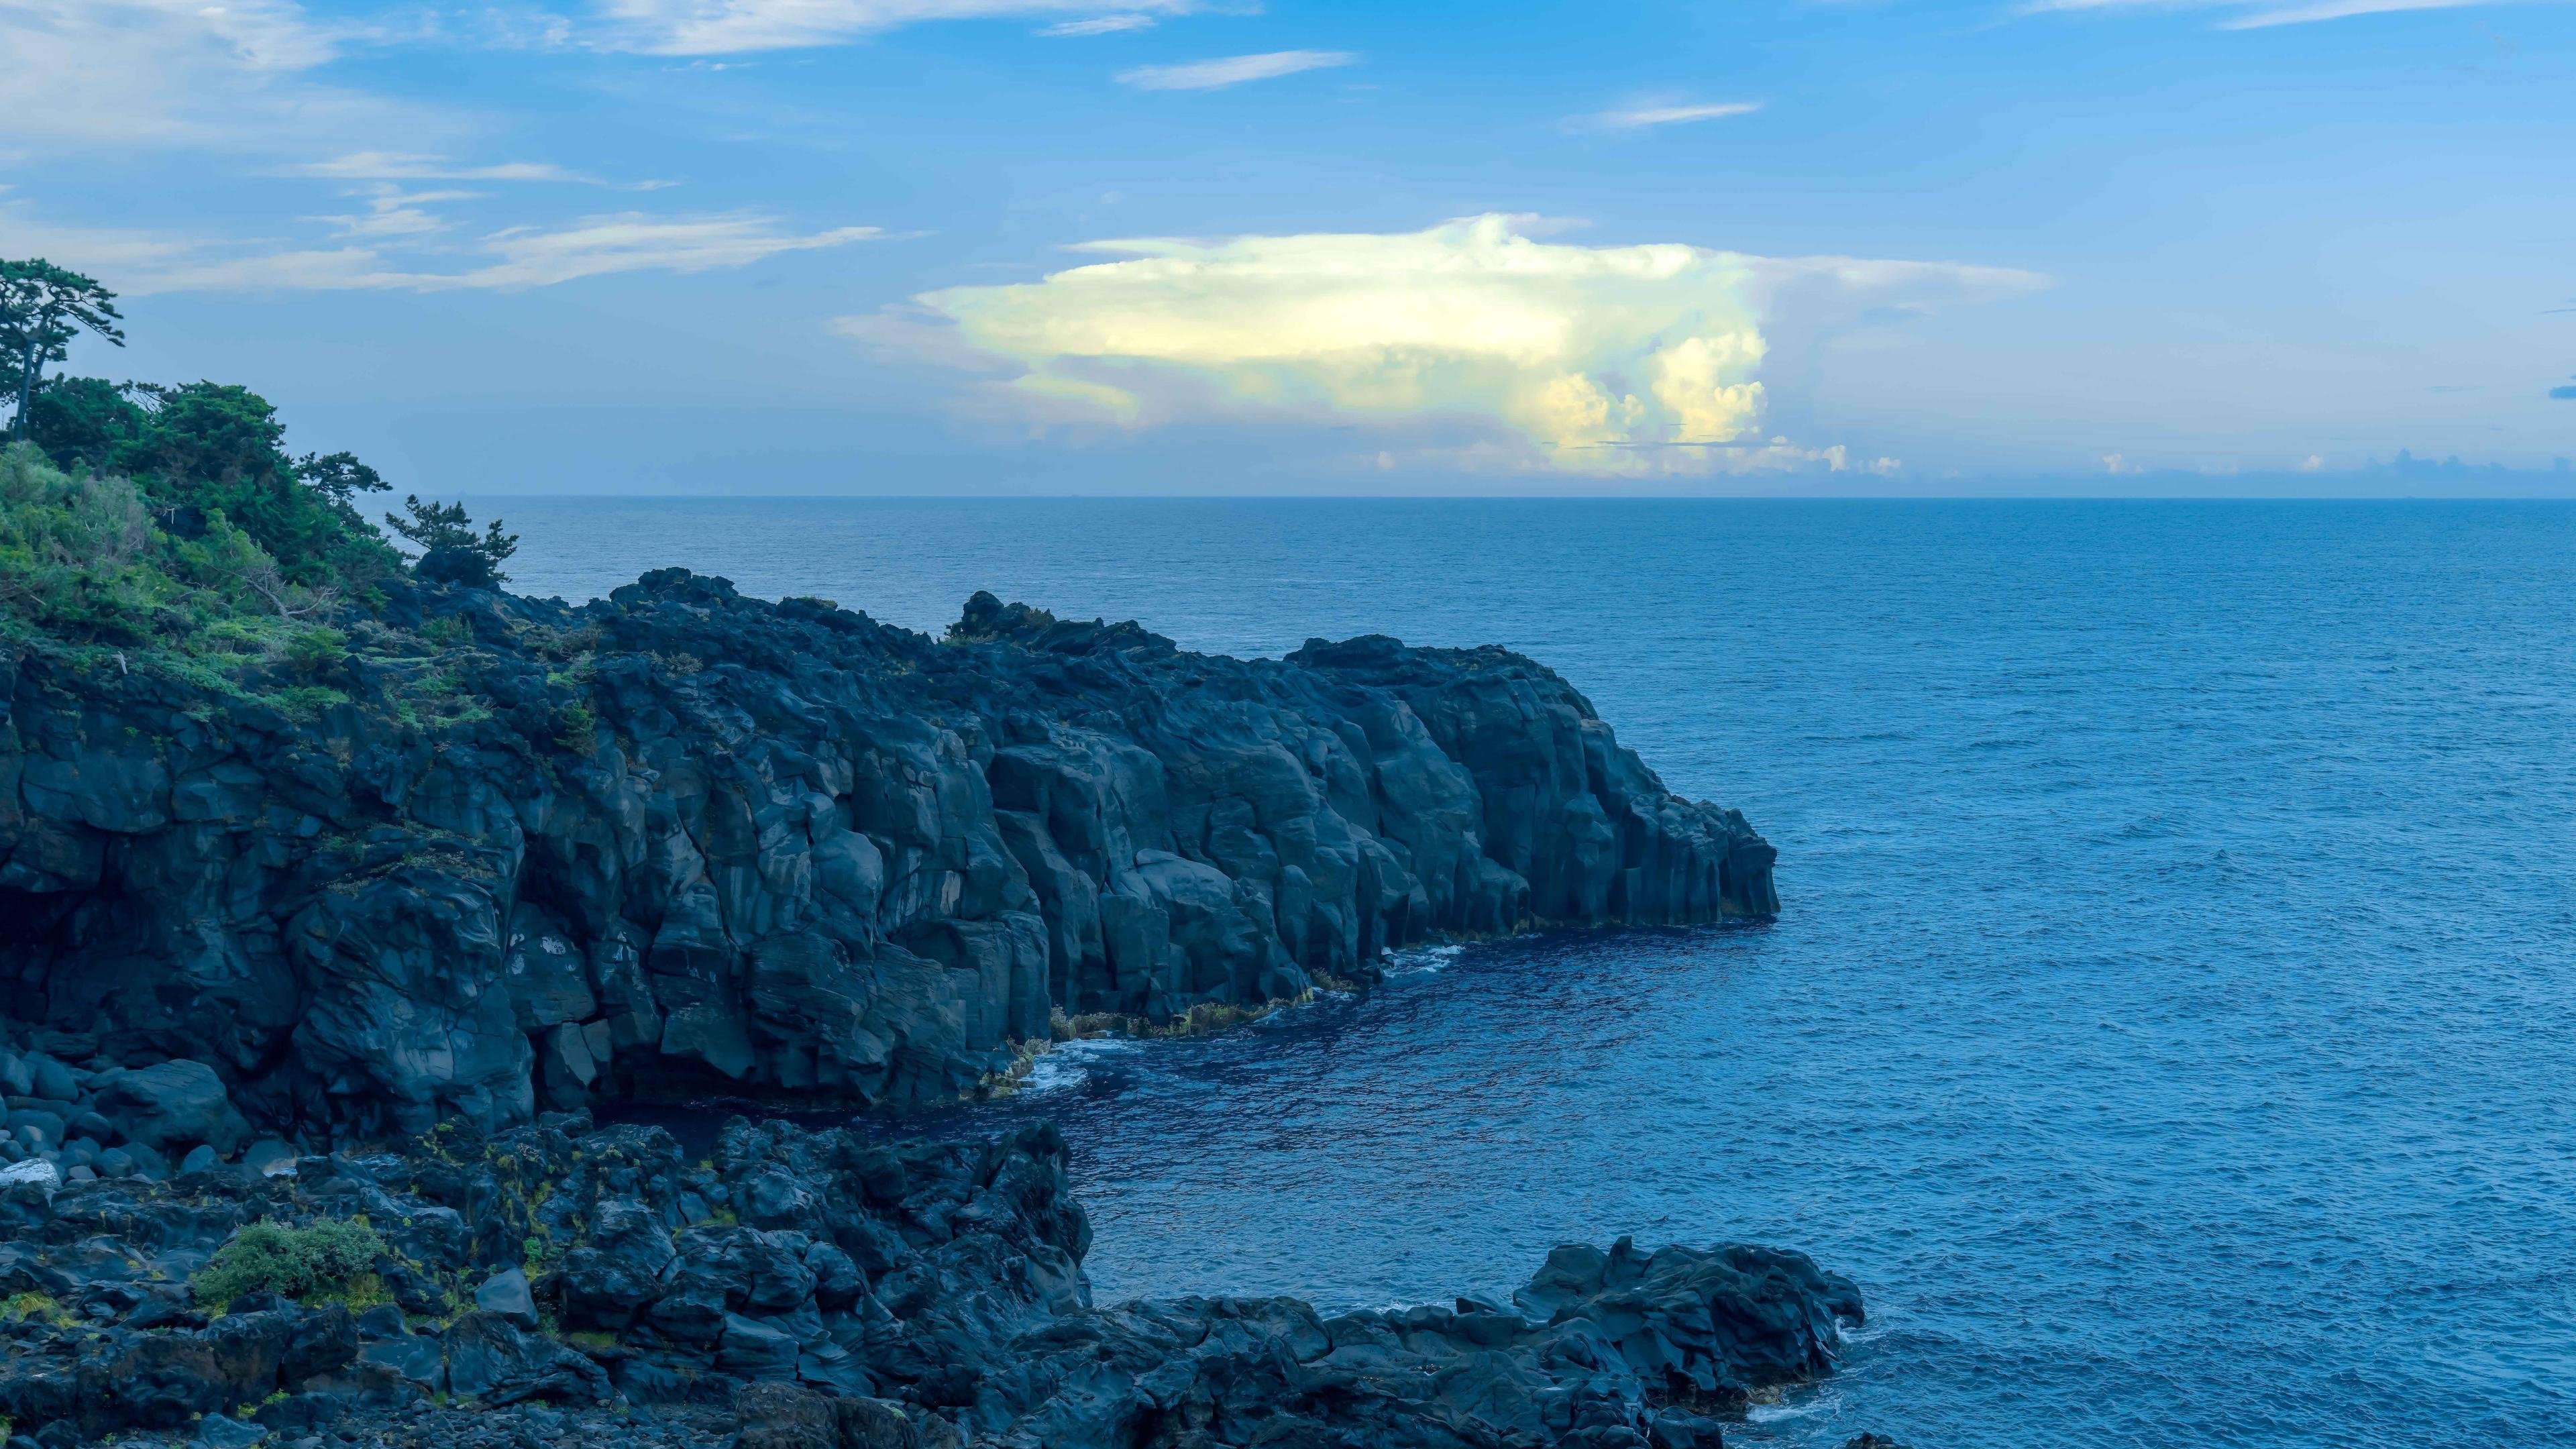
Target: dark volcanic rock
[682, 839]
[814, 1289]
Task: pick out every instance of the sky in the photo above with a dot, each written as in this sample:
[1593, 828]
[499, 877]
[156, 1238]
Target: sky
[1048, 246]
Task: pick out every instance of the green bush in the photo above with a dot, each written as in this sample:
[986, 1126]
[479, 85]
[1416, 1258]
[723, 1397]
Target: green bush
[317, 651]
[214, 448]
[321, 1257]
[85, 559]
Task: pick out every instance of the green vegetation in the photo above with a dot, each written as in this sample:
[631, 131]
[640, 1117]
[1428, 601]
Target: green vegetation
[321, 1259]
[360, 1293]
[149, 525]
[34, 1307]
[451, 552]
[42, 308]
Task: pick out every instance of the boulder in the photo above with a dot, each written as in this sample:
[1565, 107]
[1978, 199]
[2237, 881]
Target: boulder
[33, 1172]
[173, 1106]
[493, 1361]
[506, 1293]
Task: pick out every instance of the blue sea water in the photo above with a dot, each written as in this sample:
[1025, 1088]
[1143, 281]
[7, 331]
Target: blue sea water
[2172, 1020]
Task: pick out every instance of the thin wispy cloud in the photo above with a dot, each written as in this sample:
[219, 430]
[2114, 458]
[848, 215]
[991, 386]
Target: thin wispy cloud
[178, 73]
[394, 166]
[2337, 10]
[394, 212]
[536, 257]
[1641, 117]
[1232, 70]
[1100, 25]
[516, 259]
[725, 27]
[2264, 14]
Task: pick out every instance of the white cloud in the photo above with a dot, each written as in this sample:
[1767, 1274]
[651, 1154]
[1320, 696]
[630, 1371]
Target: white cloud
[534, 257]
[2266, 13]
[144, 263]
[724, 27]
[1635, 117]
[1232, 70]
[394, 212]
[1101, 25]
[2337, 10]
[402, 166]
[1615, 359]
[124, 72]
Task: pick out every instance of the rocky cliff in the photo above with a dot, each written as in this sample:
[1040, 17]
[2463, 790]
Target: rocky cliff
[506, 854]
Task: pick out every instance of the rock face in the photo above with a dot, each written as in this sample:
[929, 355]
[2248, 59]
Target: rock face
[546, 856]
[824, 1290]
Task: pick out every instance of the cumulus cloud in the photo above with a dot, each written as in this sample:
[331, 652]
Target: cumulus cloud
[1614, 359]
[513, 260]
[1232, 70]
[724, 27]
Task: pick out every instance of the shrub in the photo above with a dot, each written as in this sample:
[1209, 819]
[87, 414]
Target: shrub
[313, 652]
[320, 1257]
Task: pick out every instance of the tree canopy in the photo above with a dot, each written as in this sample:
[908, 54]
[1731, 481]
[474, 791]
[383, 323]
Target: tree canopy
[140, 512]
[451, 552]
[42, 308]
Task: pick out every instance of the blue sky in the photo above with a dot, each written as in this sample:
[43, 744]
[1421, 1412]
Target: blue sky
[916, 246]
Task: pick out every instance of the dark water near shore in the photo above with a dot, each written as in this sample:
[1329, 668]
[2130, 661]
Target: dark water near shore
[2173, 1021]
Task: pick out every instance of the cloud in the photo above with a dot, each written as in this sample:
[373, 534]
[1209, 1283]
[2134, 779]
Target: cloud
[2563, 394]
[401, 166]
[2336, 10]
[724, 27]
[394, 212]
[176, 72]
[534, 257]
[1232, 70]
[1614, 359]
[2267, 13]
[520, 258]
[1101, 25]
[1637, 117]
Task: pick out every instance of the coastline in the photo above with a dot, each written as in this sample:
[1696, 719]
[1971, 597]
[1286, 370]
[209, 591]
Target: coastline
[681, 843]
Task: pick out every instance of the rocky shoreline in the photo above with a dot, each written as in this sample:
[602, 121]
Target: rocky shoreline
[568, 1284]
[306, 998]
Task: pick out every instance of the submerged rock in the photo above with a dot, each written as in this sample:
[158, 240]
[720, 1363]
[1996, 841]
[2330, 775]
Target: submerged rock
[822, 1289]
[546, 856]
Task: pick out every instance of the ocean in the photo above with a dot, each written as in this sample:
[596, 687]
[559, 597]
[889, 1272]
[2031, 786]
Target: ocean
[2171, 1023]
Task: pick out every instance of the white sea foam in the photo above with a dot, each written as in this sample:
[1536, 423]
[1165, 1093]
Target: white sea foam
[1423, 960]
[1069, 1064]
[1800, 1404]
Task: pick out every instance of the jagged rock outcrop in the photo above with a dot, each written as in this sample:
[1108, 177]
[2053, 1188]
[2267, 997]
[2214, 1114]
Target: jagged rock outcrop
[826, 1290]
[529, 856]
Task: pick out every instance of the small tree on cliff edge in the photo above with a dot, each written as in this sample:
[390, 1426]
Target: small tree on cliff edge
[42, 308]
[452, 553]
